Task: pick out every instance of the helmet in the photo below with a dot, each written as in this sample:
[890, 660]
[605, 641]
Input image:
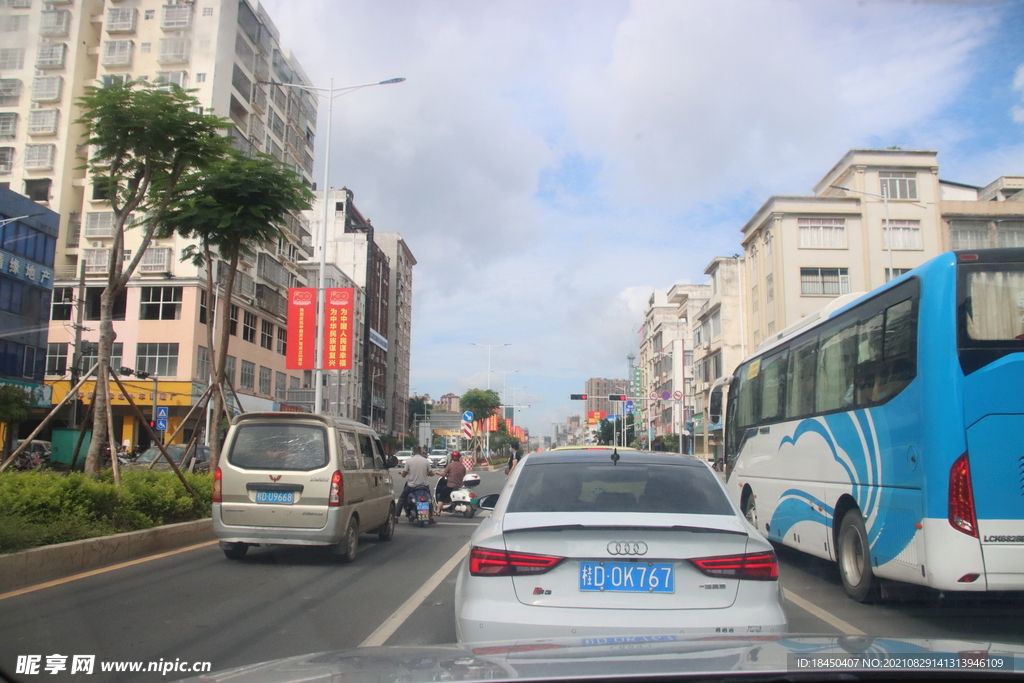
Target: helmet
[456, 455]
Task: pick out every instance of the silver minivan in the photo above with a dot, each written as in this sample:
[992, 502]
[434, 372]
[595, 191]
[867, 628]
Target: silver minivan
[301, 479]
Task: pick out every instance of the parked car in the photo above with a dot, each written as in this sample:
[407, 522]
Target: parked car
[603, 542]
[301, 479]
[200, 456]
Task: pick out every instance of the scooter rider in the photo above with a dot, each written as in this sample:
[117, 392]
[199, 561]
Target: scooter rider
[453, 474]
[416, 472]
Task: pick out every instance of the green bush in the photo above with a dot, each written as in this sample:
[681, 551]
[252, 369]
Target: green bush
[42, 508]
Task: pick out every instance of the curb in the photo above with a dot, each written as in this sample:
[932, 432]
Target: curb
[38, 565]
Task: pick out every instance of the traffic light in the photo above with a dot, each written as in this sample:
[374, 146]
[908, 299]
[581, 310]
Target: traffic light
[578, 397]
[617, 397]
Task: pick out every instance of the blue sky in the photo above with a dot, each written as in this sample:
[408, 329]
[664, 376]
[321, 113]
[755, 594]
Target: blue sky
[552, 162]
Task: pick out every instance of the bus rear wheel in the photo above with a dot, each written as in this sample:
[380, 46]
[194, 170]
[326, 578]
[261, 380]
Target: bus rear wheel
[750, 510]
[854, 555]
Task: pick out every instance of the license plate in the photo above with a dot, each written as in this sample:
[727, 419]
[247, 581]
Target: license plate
[627, 577]
[279, 497]
[422, 507]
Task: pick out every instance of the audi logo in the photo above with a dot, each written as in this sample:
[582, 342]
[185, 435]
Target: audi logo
[627, 548]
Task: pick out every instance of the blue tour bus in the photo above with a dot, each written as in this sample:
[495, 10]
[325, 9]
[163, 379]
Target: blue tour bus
[888, 435]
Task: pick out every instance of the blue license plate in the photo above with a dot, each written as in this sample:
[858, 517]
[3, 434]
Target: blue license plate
[421, 505]
[279, 497]
[627, 577]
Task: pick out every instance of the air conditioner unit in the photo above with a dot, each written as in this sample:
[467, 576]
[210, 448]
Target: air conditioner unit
[97, 245]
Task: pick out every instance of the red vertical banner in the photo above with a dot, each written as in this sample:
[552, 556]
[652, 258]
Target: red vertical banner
[338, 328]
[301, 328]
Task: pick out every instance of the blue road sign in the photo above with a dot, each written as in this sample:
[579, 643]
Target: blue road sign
[161, 425]
[629, 406]
[162, 412]
[467, 416]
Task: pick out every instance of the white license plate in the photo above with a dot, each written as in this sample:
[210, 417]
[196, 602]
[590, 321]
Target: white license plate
[627, 577]
[279, 497]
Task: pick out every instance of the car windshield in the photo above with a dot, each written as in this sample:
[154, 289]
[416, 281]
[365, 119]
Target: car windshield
[607, 487]
[768, 253]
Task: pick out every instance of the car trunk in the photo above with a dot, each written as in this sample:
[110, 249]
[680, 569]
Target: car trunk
[622, 551]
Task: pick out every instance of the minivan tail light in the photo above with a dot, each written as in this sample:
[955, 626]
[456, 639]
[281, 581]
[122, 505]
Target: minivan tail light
[756, 566]
[488, 562]
[962, 515]
[337, 490]
[218, 477]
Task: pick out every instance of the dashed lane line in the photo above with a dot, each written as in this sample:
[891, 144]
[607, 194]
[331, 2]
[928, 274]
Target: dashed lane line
[808, 606]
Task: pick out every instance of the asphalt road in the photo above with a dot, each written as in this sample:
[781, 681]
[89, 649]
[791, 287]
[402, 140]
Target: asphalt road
[197, 606]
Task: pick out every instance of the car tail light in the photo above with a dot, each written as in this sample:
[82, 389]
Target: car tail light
[757, 566]
[217, 485]
[962, 516]
[337, 494]
[487, 562]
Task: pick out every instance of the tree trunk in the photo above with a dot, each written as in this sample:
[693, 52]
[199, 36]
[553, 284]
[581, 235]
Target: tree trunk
[101, 395]
[221, 363]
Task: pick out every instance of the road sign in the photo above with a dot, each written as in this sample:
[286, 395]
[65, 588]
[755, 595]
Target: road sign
[666, 395]
[162, 413]
[677, 395]
[630, 405]
[161, 425]
[467, 430]
[467, 416]
[654, 394]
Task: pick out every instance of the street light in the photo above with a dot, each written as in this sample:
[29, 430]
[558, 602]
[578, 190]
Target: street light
[888, 224]
[330, 93]
[489, 347]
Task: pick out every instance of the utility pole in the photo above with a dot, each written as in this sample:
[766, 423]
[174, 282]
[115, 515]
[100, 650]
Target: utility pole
[76, 355]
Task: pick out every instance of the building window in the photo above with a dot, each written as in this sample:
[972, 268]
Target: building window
[9, 124]
[233, 321]
[160, 303]
[824, 281]
[249, 327]
[248, 378]
[267, 335]
[207, 11]
[969, 234]
[822, 233]
[99, 224]
[767, 244]
[754, 299]
[902, 234]
[201, 78]
[899, 271]
[229, 370]
[110, 80]
[117, 52]
[12, 58]
[265, 381]
[202, 364]
[149, 14]
[91, 355]
[716, 324]
[38, 189]
[42, 122]
[39, 157]
[282, 341]
[56, 359]
[6, 160]
[1010, 233]
[174, 50]
[769, 288]
[157, 359]
[63, 301]
[176, 16]
[121, 19]
[203, 311]
[898, 184]
[47, 88]
[10, 92]
[145, 48]
[281, 386]
[14, 23]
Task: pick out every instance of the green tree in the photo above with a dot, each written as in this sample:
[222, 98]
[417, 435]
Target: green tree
[143, 141]
[233, 207]
[15, 408]
[417, 406]
[605, 432]
[481, 402]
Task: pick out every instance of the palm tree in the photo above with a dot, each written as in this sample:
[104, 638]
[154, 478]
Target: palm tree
[232, 209]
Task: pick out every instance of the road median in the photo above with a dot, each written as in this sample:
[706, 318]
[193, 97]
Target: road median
[51, 562]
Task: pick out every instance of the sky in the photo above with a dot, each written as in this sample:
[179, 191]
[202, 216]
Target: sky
[550, 163]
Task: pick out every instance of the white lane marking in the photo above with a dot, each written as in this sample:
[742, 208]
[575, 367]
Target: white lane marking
[844, 626]
[391, 624]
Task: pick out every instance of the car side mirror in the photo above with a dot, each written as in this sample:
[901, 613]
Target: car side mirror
[489, 501]
[392, 461]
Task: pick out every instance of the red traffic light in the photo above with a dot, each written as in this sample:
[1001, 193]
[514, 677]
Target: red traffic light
[617, 397]
[578, 397]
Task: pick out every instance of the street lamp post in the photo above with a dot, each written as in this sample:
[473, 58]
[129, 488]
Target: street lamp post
[489, 347]
[330, 93]
[888, 224]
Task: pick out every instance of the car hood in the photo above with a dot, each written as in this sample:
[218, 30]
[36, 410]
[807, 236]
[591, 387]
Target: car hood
[740, 656]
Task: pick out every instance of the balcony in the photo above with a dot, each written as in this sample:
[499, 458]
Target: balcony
[51, 56]
[47, 88]
[42, 122]
[118, 52]
[99, 225]
[121, 20]
[55, 23]
[156, 260]
[176, 17]
[174, 51]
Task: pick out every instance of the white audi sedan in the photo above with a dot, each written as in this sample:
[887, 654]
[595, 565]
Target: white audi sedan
[603, 543]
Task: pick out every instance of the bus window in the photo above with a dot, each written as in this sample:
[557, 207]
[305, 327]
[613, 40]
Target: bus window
[773, 386]
[803, 365]
[749, 381]
[836, 361]
[899, 348]
[869, 359]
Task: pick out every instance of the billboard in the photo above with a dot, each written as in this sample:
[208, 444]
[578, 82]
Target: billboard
[595, 416]
[301, 328]
[338, 324]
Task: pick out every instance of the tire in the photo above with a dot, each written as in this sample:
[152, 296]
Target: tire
[349, 545]
[854, 556]
[234, 551]
[470, 511]
[386, 531]
[421, 523]
[750, 510]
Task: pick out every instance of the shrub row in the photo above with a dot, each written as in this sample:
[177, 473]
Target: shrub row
[42, 508]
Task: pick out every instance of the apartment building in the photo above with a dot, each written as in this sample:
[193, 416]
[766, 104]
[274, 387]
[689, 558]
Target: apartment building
[228, 50]
[661, 362]
[399, 330]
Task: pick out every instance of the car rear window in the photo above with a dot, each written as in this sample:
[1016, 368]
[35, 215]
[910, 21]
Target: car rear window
[279, 447]
[607, 487]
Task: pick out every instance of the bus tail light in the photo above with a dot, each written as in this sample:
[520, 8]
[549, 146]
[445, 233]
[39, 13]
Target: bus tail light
[962, 515]
[218, 478]
[337, 490]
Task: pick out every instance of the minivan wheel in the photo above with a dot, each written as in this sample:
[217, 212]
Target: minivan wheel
[234, 551]
[386, 531]
[348, 546]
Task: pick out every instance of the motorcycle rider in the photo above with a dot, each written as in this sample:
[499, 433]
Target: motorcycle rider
[417, 471]
[453, 476]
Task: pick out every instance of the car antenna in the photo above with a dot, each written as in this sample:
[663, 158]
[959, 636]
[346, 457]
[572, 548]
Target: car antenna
[615, 455]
